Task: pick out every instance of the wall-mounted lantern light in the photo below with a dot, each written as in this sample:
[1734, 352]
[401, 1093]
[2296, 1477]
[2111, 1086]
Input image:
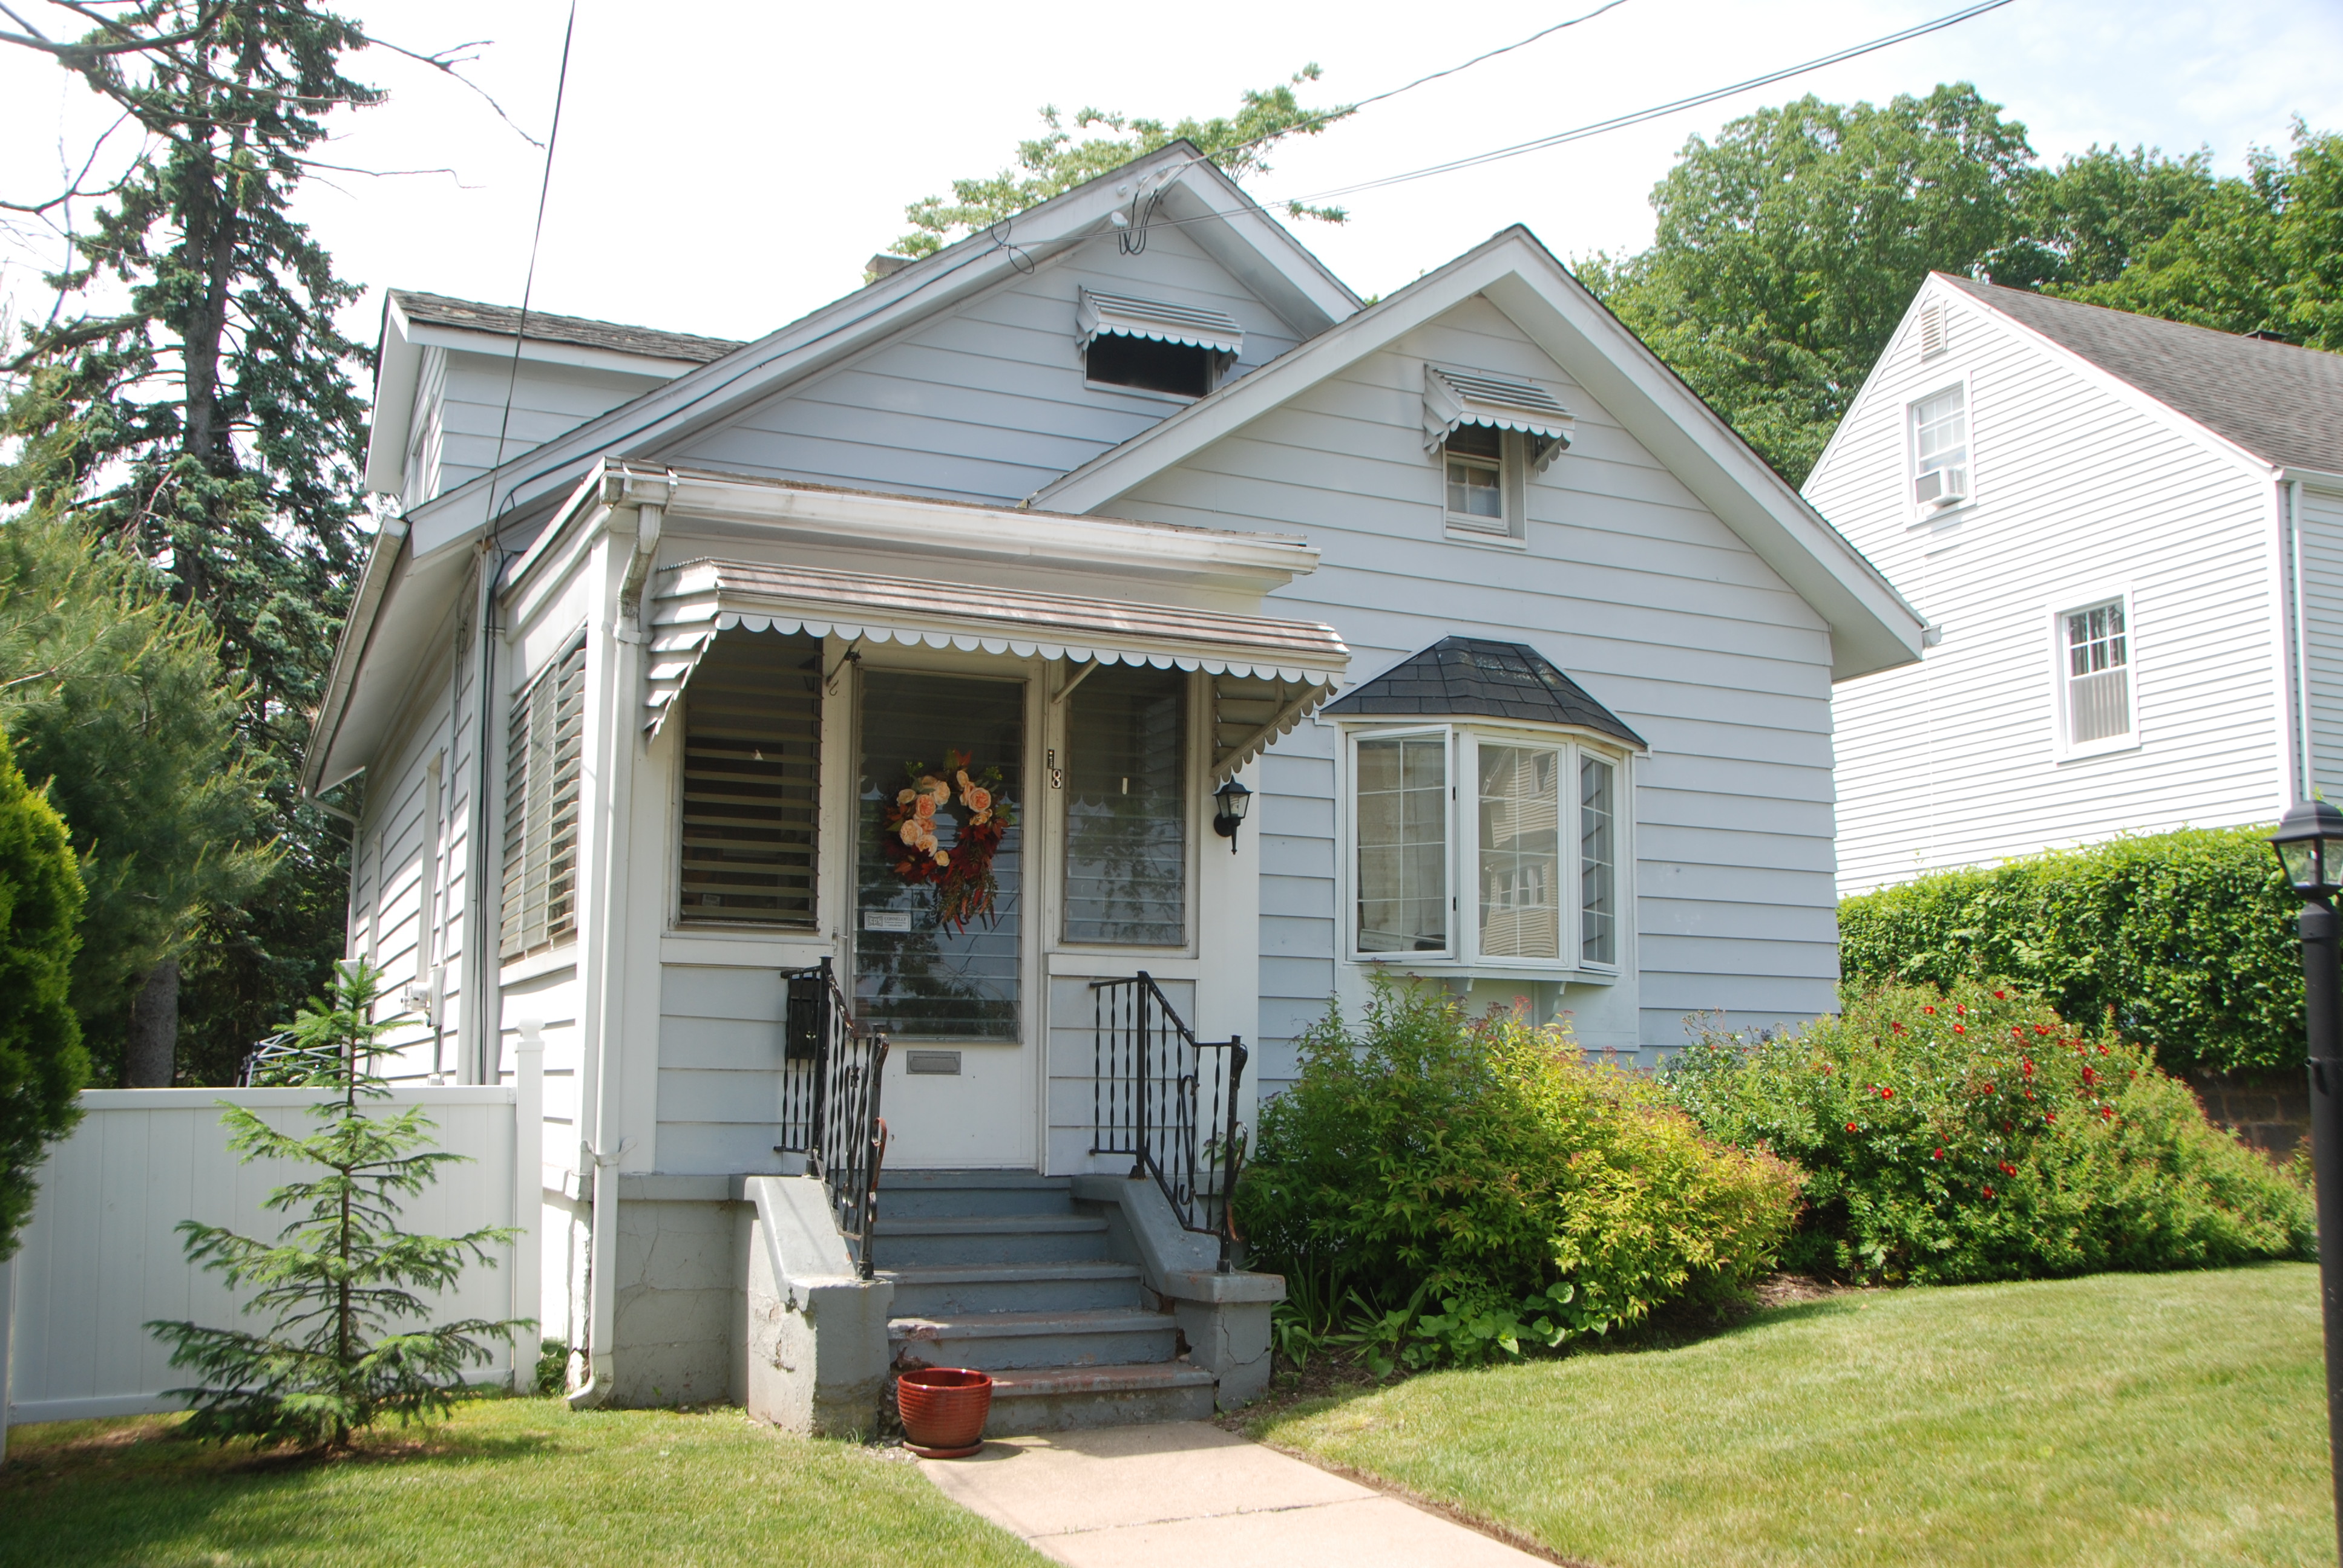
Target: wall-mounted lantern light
[1230, 803]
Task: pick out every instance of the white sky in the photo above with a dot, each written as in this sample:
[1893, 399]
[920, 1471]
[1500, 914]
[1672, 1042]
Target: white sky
[727, 167]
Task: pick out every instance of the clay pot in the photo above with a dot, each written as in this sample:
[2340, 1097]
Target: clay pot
[943, 1410]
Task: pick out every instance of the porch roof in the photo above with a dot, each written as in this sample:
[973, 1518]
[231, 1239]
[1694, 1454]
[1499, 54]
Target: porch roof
[1275, 672]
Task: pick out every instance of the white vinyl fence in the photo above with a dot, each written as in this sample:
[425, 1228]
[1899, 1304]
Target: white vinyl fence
[103, 1257]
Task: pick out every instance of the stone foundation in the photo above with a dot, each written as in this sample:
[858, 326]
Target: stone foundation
[2270, 1110]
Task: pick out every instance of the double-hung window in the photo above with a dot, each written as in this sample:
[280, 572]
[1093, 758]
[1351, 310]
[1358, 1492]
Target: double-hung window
[1491, 846]
[2096, 699]
[1475, 460]
[1940, 450]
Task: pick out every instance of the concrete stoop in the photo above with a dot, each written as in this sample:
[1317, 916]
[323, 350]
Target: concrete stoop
[1006, 1272]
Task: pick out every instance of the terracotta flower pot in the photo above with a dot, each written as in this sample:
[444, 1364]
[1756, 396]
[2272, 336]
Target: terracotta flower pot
[943, 1410]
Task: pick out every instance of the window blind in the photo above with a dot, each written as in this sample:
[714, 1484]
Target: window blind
[752, 765]
[543, 750]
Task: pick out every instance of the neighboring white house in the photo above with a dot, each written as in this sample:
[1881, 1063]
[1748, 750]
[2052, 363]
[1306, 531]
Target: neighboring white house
[2126, 535]
[1123, 507]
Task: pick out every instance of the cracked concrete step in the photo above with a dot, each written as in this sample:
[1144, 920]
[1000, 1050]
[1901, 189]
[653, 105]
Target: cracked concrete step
[943, 1289]
[904, 1194]
[1059, 1399]
[1004, 1342]
[900, 1243]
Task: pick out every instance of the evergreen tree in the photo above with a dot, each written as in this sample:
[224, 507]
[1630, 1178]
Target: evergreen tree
[42, 1066]
[193, 396]
[340, 1277]
[1055, 163]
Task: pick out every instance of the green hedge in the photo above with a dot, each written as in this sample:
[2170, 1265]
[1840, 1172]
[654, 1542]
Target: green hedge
[2190, 937]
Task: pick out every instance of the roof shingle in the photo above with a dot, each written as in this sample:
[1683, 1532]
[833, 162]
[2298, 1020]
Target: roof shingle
[2282, 403]
[1469, 676]
[471, 315]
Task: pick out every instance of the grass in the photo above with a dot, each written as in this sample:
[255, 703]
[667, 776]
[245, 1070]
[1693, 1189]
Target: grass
[507, 1482]
[2120, 1419]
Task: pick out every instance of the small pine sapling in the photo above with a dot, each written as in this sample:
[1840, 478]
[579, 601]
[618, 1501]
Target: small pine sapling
[341, 1277]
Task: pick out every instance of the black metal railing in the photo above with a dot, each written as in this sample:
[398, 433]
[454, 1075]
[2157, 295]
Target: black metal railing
[1169, 1101]
[830, 1099]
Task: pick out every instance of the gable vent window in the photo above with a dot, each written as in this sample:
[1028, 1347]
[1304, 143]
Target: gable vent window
[1153, 345]
[544, 739]
[1940, 450]
[2096, 676]
[751, 764]
[1933, 330]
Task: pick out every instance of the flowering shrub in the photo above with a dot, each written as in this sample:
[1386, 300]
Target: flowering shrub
[1460, 1189]
[1972, 1134]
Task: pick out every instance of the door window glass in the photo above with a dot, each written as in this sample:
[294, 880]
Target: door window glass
[1126, 807]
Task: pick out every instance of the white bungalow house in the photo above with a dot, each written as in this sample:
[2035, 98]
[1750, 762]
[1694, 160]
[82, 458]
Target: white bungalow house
[2128, 536]
[1525, 658]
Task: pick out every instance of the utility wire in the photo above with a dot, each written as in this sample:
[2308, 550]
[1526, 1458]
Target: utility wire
[536, 236]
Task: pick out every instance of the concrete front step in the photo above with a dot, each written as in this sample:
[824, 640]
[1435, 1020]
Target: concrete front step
[920, 1240]
[905, 1194]
[1059, 1398]
[945, 1290]
[1005, 1342]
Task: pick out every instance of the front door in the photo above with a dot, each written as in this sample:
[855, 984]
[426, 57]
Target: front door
[938, 952]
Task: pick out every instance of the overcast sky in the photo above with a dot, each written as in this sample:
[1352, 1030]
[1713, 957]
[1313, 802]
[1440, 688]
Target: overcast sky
[725, 167]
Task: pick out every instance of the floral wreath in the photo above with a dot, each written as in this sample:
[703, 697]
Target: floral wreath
[962, 875]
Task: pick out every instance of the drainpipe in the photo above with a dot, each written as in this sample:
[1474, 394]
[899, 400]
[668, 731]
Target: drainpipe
[601, 1265]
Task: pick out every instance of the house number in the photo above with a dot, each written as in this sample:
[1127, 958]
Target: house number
[1057, 774]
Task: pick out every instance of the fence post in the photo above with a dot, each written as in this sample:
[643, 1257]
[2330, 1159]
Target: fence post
[528, 1199]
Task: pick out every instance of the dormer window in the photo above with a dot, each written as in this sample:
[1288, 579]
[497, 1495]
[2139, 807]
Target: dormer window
[1154, 346]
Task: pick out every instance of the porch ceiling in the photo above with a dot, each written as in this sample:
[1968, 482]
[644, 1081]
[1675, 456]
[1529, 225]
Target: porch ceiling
[1274, 671]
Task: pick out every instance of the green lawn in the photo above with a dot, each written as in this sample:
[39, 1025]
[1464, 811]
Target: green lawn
[509, 1482]
[2122, 1419]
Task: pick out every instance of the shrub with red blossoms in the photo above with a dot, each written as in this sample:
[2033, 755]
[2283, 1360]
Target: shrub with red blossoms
[1916, 1172]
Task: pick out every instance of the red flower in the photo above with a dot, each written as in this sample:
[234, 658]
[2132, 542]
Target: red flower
[2027, 1063]
[2090, 1075]
[2029, 1094]
[2107, 1111]
[2015, 1032]
[1929, 1010]
[1886, 1094]
[2103, 1049]
[1940, 1154]
[1960, 1009]
[1988, 1191]
[1850, 1127]
[2050, 1116]
[1989, 1089]
[2008, 1169]
[2042, 1029]
[1960, 1029]
[2001, 996]
[1897, 1028]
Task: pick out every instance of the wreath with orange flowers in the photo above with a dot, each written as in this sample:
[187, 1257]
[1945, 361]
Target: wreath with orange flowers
[961, 875]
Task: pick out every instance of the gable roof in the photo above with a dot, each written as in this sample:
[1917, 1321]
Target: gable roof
[2283, 405]
[505, 321]
[1214, 213]
[1872, 626]
[1471, 677]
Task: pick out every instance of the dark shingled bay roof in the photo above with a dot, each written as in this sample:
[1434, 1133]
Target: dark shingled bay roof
[2282, 403]
[1468, 676]
[470, 316]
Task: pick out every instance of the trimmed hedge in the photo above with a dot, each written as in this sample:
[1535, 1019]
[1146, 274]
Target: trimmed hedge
[2190, 937]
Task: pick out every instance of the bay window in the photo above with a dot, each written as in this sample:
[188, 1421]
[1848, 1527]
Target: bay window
[1485, 845]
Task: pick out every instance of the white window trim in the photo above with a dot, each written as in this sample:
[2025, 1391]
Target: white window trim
[2054, 615]
[1463, 955]
[1925, 514]
[1511, 531]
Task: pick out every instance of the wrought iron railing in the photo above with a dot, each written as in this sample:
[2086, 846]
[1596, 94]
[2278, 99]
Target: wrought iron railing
[1169, 1101]
[830, 1099]
[278, 1063]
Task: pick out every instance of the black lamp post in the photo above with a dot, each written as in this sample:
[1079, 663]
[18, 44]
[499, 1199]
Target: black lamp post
[1230, 803]
[2309, 844]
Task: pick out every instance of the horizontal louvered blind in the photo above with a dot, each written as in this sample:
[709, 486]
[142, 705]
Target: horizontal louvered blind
[543, 752]
[751, 763]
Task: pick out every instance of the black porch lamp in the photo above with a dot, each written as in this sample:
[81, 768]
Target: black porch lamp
[2309, 845]
[1230, 801]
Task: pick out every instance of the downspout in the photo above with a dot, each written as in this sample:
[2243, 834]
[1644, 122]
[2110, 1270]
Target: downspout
[606, 1148]
[482, 958]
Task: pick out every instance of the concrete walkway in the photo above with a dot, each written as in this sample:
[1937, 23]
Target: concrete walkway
[1189, 1491]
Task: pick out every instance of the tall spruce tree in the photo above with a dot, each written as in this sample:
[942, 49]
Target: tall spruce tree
[193, 396]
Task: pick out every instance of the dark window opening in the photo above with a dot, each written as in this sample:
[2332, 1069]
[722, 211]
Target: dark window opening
[1180, 368]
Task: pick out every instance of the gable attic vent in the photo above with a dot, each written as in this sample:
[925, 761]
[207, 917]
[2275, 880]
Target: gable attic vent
[1935, 338]
[1454, 397]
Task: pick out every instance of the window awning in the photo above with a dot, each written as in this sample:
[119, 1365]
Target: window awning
[1453, 398]
[1100, 314]
[1268, 674]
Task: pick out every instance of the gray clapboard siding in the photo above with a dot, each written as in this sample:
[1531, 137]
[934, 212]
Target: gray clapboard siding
[1953, 761]
[1629, 584]
[987, 402]
[548, 400]
[2320, 524]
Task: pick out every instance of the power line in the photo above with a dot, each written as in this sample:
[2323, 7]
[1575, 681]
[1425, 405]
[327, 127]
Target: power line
[535, 236]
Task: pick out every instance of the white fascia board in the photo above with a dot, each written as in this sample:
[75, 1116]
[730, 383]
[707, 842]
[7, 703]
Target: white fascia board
[709, 393]
[1871, 625]
[542, 351]
[1253, 563]
[398, 363]
[2317, 478]
[1260, 252]
[350, 654]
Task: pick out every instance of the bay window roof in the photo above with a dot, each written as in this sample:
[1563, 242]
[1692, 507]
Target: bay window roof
[1470, 677]
[1120, 315]
[1453, 398]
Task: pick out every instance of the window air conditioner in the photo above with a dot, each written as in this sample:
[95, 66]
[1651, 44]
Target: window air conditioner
[1941, 488]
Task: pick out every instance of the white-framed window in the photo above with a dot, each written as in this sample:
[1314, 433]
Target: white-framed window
[2098, 706]
[1492, 846]
[1938, 430]
[1482, 483]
